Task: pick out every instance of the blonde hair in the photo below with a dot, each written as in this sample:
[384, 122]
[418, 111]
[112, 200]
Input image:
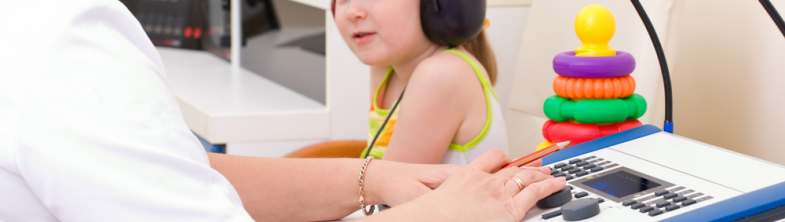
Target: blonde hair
[481, 49]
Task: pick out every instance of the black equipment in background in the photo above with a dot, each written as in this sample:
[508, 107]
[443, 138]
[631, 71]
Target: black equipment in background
[200, 24]
[258, 16]
[172, 23]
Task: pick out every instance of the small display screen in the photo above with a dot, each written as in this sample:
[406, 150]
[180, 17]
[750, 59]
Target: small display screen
[621, 183]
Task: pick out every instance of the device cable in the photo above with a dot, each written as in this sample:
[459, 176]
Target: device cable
[666, 79]
[774, 15]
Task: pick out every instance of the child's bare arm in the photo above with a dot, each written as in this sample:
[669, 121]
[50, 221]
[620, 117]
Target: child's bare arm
[439, 96]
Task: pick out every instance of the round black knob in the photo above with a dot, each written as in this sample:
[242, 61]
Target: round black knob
[556, 199]
[580, 209]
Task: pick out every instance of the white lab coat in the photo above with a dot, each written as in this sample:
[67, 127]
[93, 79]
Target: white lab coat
[89, 130]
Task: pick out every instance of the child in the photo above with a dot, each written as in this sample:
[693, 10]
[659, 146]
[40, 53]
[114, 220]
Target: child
[449, 112]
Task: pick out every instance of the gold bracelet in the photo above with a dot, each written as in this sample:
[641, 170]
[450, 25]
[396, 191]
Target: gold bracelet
[362, 199]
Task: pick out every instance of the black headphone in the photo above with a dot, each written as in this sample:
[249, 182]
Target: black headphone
[450, 22]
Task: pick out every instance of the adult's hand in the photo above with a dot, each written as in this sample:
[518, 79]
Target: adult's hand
[397, 183]
[476, 193]
[394, 183]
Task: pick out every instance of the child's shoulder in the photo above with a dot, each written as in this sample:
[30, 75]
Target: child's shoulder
[447, 70]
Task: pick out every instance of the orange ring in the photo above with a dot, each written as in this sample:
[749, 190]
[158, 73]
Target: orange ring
[585, 88]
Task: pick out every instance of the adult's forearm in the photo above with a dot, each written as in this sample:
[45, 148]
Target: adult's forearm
[278, 189]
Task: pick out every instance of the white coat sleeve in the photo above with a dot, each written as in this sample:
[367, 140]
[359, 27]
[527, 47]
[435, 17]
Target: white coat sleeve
[98, 135]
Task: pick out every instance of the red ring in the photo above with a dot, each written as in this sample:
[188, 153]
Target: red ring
[555, 132]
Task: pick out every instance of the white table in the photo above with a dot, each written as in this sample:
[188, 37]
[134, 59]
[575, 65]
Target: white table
[223, 105]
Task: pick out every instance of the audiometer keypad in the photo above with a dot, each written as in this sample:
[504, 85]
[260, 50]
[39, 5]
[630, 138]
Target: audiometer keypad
[599, 179]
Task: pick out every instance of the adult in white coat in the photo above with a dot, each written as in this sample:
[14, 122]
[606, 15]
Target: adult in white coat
[89, 131]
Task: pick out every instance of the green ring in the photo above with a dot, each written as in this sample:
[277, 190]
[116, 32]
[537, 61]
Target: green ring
[593, 110]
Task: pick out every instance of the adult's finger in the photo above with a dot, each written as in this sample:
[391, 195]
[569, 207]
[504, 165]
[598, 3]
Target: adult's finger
[535, 163]
[508, 172]
[536, 191]
[528, 177]
[545, 170]
[490, 161]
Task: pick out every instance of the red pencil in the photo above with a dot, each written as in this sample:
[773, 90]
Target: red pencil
[537, 155]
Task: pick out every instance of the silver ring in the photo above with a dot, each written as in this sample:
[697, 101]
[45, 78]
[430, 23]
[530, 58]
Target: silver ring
[518, 181]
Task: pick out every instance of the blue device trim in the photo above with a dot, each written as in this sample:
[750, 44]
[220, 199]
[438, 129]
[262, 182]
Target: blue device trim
[668, 127]
[600, 143]
[738, 207]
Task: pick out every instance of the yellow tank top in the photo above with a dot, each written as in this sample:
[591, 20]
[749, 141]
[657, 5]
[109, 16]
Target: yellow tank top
[378, 115]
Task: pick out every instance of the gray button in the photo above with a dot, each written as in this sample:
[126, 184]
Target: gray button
[679, 199]
[695, 195]
[669, 196]
[664, 203]
[567, 168]
[554, 172]
[703, 198]
[581, 194]
[560, 165]
[661, 192]
[600, 200]
[588, 166]
[646, 209]
[556, 199]
[629, 202]
[671, 207]
[637, 206]
[551, 215]
[676, 189]
[578, 164]
[580, 209]
[655, 213]
[574, 170]
[596, 169]
[560, 174]
[573, 161]
[582, 173]
[688, 202]
[568, 177]
[588, 158]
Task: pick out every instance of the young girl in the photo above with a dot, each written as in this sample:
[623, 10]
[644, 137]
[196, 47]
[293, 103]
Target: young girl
[449, 112]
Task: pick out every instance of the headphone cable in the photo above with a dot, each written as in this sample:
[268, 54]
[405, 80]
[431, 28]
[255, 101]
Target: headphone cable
[370, 146]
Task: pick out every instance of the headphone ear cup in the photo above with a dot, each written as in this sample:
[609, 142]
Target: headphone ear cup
[452, 22]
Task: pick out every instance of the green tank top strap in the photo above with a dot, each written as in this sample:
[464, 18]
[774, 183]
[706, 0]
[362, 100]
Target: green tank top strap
[477, 70]
[486, 86]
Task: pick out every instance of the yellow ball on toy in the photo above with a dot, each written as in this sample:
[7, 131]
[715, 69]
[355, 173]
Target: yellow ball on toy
[595, 26]
[543, 145]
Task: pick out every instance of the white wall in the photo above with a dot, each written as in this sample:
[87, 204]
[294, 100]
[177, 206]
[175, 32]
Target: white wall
[728, 75]
[504, 34]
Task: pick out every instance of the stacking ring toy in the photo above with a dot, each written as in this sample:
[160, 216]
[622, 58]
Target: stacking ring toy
[606, 88]
[578, 133]
[568, 65]
[595, 111]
